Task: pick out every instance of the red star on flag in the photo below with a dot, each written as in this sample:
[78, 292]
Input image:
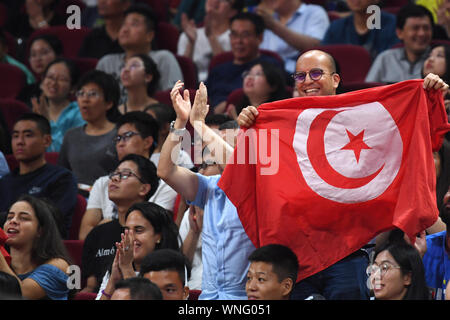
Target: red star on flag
[356, 144]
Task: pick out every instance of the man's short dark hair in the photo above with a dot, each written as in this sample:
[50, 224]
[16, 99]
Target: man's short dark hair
[109, 86]
[216, 119]
[140, 288]
[412, 11]
[42, 122]
[146, 11]
[146, 172]
[167, 260]
[144, 123]
[283, 260]
[231, 124]
[255, 19]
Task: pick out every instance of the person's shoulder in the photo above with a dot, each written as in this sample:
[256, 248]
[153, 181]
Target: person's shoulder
[309, 8]
[59, 263]
[111, 58]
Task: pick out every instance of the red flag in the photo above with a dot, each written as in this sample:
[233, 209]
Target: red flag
[325, 175]
[3, 238]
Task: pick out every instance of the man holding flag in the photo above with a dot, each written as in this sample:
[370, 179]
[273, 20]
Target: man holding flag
[352, 166]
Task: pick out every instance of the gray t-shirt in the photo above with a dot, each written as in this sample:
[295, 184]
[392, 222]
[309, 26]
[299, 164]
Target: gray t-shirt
[166, 62]
[392, 66]
[88, 157]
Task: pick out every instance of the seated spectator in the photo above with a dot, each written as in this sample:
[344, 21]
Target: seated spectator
[9, 287]
[437, 257]
[272, 273]
[414, 28]
[292, 27]
[31, 136]
[354, 29]
[148, 228]
[202, 43]
[38, 255]
[136, 36]
[87, 150]
[194, 9]
[37, 15]
[103, 40]
[5, 58]
[246, 32]
[139, 77]
[262, 83]
[136, 289]
[55, 103]
[134, 180]
[397, 273]
[43, 49]
[169, 270]
[137, 133]
[4, 168]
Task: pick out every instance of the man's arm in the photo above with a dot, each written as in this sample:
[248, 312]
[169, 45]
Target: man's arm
[182, 180]
[91, 219]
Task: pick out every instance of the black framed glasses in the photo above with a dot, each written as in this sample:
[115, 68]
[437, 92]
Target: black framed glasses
[125, 137]
[124, 175]
[382, 268]
[315, 75]
[89, 94]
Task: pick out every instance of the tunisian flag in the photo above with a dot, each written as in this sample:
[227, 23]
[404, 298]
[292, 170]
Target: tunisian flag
[325, 175]
[3, 238]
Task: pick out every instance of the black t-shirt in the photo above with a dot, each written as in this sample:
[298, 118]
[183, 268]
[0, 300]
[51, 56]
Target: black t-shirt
[99, 250]
[98, 43]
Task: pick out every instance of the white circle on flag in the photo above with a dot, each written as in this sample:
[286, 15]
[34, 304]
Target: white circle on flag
[375, 165]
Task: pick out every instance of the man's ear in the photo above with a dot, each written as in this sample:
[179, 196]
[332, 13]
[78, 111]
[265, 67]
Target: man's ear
[145, 188]
[287, 286]
[47, 140]
[336, 80]
[185, 292]
[399, 33]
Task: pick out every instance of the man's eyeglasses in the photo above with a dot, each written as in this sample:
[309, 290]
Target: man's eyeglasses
[124, 175]
[382, 268]
[315, 75]
[88, 94]
[125, 137]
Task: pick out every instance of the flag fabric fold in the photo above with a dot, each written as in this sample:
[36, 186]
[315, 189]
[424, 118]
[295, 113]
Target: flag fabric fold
[325, 175]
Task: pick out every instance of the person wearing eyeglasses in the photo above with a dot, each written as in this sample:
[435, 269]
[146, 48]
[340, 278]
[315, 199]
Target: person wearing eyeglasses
[87, 150]
[397, 273]
[137, 133]
[346, 279]
[134, 180]
[59, 79]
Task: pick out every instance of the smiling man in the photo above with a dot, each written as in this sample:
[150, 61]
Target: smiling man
[415, 30]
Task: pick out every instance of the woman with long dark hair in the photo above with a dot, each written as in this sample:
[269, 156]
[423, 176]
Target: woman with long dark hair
[38, 256]
[397, 273]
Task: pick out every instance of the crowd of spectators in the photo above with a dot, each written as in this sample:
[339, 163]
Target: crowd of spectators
[111, 101]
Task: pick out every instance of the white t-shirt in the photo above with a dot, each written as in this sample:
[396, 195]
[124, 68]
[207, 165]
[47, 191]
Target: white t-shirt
[195, 282]
[164, 196]
[202, 50]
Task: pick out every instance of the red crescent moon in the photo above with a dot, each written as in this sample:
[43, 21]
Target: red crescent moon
[316, 152]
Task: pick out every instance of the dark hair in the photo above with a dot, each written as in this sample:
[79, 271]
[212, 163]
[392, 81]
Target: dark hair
[161, 221]
[146, 171]
[52, 40]
[74, 72]
[3, 38]
[42, 122]
[409, 260]
[216, 119]
[9, 287]
[164, 113]
[146, 11]
[415, 11]
[238, 5]
[276, 80]
[144, 123]
[231, 124]
[166, 259]
[446, 75]
[140, 288]
[109, 86]
[283, 260]
[150, 68]
[49, 245]
[255, 19]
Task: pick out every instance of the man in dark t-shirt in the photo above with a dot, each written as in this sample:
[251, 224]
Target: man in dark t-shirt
[30, 138]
